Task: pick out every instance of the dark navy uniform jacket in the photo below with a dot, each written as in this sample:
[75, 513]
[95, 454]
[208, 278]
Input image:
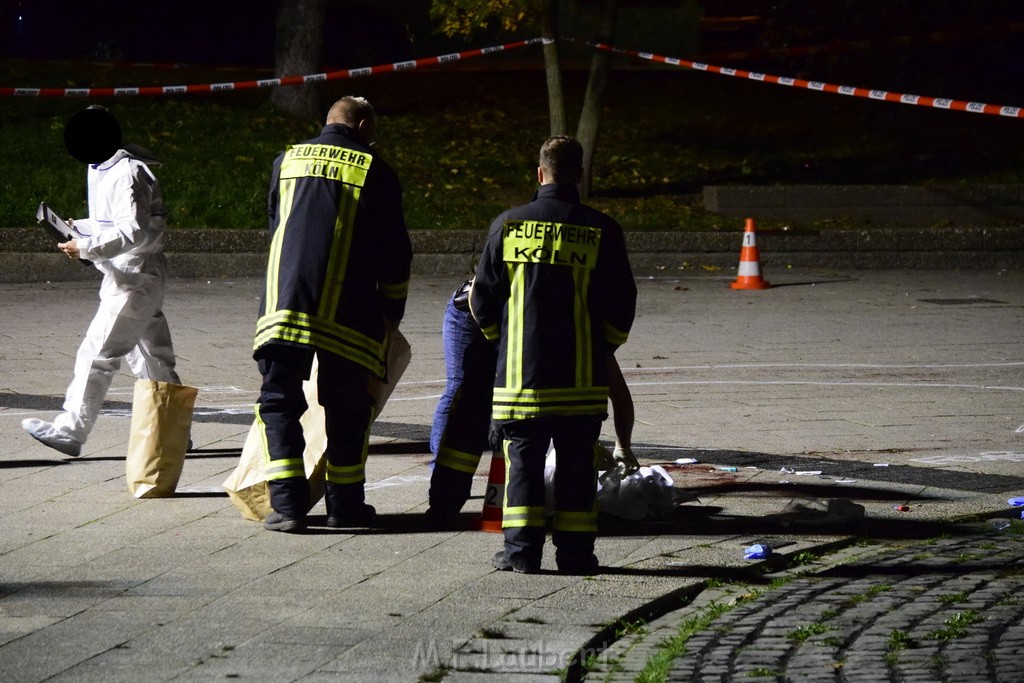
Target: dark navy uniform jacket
[554, 285]
[340, 254]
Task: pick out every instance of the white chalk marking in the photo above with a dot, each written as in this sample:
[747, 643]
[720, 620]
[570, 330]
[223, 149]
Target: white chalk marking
[910, 385]
[988, 456]
[828, 366]
[127, 391]
[397, 480]
[201, 489]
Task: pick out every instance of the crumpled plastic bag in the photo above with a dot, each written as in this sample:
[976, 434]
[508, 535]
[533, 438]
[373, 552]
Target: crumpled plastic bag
[817, 511]
[637, 494]
[623, 491]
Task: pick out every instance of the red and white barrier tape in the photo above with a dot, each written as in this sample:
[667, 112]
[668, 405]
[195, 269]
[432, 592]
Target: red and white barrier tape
[884, 95]
[266, 82]
[901, 98]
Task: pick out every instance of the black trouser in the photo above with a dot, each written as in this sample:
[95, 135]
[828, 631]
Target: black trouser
[525, 444]
[342, 390]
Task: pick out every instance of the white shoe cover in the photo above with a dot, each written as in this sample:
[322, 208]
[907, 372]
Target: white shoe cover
[45, 433]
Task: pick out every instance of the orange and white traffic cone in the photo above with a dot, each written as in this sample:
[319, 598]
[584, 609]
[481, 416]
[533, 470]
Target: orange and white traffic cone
[494, 498]
[749, 274]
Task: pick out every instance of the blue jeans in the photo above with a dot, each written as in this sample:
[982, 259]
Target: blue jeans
[462, 419]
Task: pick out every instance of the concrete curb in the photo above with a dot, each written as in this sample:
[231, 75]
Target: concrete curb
[27, 255]
[906, 205]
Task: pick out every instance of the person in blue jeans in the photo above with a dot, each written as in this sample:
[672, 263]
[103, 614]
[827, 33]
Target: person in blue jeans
[461, 430]
[462, 420]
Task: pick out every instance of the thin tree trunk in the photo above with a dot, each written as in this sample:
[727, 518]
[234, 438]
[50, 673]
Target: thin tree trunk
[553, 69]
[299, 49]
[590, 116]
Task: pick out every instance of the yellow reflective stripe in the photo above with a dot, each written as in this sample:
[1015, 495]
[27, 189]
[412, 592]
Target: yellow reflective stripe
[518, 412]
[613, 335]
[562, 394]
[517, 404]
[276, 469]
[352, 474]
[549, 243]
[286, 191]
[285, 469]
[490, 332]
[581, 322]
[394, 291]
[325, 325]
[337, 264]
[307, 338]
[457, 460]
[585, 522]
[516, 313]
[302, 328]
[520, 516]
[346, 474]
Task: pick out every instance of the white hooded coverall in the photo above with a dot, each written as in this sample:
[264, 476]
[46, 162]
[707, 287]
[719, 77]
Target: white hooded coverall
[124, 238]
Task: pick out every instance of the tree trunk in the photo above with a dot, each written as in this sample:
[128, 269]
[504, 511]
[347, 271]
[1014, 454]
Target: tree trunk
[553, 69]
[299, 49]
[590, 116]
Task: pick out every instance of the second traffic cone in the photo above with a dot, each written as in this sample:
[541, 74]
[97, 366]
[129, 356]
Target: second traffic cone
[494, 498]
[749, 274]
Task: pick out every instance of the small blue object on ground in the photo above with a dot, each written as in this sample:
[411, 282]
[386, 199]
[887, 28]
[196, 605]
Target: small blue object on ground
[1016, 502]
[757, 551]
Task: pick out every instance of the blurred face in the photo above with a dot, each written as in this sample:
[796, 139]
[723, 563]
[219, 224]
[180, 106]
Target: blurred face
[92, 135]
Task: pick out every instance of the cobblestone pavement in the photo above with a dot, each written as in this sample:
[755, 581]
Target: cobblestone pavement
[947, 609]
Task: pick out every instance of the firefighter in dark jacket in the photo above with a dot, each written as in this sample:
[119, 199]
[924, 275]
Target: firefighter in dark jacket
[337, 280]
[555, 289]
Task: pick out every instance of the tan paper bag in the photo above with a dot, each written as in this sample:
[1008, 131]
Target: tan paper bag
[247, 485]
[399, 355]
[161, 424]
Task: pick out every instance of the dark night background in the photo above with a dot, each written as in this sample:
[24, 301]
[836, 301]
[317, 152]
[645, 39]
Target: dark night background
[360, 33]
[188, 31]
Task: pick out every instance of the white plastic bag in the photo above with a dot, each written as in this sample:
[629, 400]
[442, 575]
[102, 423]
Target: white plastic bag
[630, 493]
[637, 494]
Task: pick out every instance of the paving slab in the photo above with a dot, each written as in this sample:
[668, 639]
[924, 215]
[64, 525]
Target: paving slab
[902, 388]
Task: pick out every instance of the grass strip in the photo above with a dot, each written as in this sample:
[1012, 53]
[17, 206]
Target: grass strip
[657, 667]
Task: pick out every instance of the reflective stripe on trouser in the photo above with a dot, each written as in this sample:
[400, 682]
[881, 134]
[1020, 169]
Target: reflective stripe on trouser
[575, 524]
[343, 391]
[279, 407]
[452, 479]
[526, 445]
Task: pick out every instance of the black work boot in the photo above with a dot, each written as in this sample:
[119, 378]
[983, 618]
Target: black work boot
[361, 515]
[289, 499]
[346, 506]
[502, 563]
[277, 521]
[580, 565]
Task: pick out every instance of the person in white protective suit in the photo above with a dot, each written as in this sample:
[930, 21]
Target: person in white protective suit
[124, 238]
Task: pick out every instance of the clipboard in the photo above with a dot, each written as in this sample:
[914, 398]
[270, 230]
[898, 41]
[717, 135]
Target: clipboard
[57, 227]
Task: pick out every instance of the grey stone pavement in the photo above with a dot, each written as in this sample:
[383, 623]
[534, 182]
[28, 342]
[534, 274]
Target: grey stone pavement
[900, 391]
